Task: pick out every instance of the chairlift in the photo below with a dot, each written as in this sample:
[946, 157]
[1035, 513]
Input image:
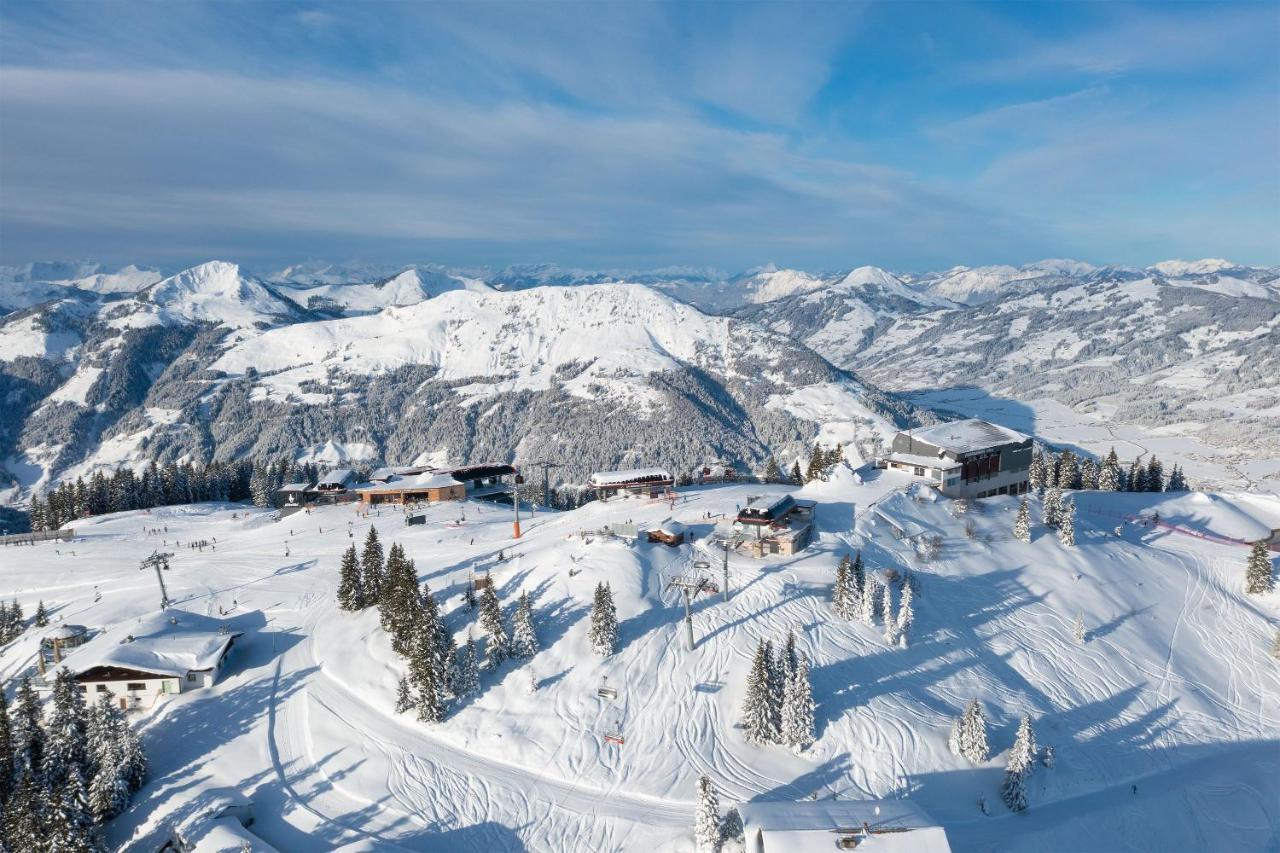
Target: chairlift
[604, 691]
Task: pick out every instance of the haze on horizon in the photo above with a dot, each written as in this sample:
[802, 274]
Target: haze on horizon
[907, 135]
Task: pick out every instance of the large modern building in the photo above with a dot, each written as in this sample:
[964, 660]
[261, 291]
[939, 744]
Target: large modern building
[965, 459]
[818, 826]
[430, 485]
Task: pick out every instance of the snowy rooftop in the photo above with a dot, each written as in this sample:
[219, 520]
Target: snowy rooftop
[964, 436]
[174, 642]
[336, 477]
[632, 475]
[382, 475]
[294, 487]
[809, 825]
[425, 480]
[65, 632]
[923, 460]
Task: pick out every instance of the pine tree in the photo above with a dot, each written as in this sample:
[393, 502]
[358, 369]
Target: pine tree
[796, 477]
[1089, 474]
[469, 669]
[1021, 764]
[1052, 507]
[1111, 478]
[66, 742]
[27, 731]
[372, 567]
[797, 708]
[1258, 577]
[1077, 629]
[1067, 524]
[1137, 479]
[524, 641]
[887, 616]
[1022, 524]
[109, 790]
[859, 574]
[816, 467]
[1036, 472]
[906, 613]
[870, 601]
[771, 472]
[706, 828]
[70, 824]
[350, 586]
[969, 734]
[1177, 480]
[731, 828]
[777, 687]
[1050, 471]
[404, 699]
[604, 622]
[6, 751]
[426, 677]
[1155, 475]
[497, 644]
[25, 813]
[842, 592]
[757, 717]
[789, 658]
[42, 615]
[1068, 471]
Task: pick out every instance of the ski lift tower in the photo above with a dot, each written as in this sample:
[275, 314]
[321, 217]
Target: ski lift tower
[159, 561]
[689, 585]
[546, 479]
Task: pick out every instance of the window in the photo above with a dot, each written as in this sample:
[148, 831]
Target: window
[84, 688]
[191, 676]
[101, 688]
[135, 685]
[919, 471]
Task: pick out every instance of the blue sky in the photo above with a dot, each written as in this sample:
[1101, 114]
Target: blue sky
[636, 135]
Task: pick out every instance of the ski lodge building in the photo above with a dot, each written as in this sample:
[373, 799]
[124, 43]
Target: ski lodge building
[820, 826]
[965, 459]
[163, 653]
[783, 526]
[429, 485]
[643, 482]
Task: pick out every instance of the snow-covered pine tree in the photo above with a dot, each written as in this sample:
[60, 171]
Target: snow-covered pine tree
[797, 708]
[27, 731]
[404, 699]
[1258, 577]
[1155, 475]
[906, 613]
[887, 616]
[1021, 764]
[772, 474]
[789, 657]
[372, 567]
[427, 680]
[1177, 480]
[524, 641]
[350, 586]
[796, 477]
[1050, 471]
[1036, 471]
[870, 601]
[1137, 478]
[841, 590]
[66, 743]
[1022, 524]
[1089, 473]
[24, 812]
[6, 753]
[859, 574]
[469, 669]
[109, 790]
[731, 828]
[1077, 629]
[1052, 506]
[70, 827]
[706, 827]
[757, 718]
[777, 687]
[969, 734]
[42, 615]
[1068, 471]
[497, 644]
[817, 465]
[604, 621]
[1111, 477]
[1067, 524]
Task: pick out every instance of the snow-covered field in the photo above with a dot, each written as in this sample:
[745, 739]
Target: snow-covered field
[1174, 692]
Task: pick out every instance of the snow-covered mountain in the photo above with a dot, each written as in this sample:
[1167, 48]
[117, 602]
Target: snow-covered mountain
[407, 287]
[213, 364]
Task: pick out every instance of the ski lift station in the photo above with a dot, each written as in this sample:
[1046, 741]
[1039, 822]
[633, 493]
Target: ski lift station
[139, 662]
[820, 826]
[419, 484]
[638, 482]
[782, 526]
[965, 459]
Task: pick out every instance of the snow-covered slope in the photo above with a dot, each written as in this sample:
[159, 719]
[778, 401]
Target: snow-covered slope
[1163, 722]
[408, 287]
[215, 292]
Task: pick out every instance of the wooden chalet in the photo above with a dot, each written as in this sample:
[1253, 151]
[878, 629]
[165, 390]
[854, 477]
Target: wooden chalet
[668, 533]
[783, 526]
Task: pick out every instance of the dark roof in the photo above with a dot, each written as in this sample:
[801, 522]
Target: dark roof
[479, 472]
[767, 513]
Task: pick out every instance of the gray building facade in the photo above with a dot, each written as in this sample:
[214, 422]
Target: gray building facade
[965, 459]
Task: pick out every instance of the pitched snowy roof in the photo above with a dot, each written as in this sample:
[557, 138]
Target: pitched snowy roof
[65, 632]
[174, 642]
[964, 436]
[382, 475]
[336, 477]
[425, 480]
[631, 475]
[897, 826]
[294, 487]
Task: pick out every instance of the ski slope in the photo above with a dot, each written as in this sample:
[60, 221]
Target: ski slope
[1174, 692]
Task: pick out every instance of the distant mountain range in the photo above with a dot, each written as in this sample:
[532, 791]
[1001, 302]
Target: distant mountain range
[103, 366]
